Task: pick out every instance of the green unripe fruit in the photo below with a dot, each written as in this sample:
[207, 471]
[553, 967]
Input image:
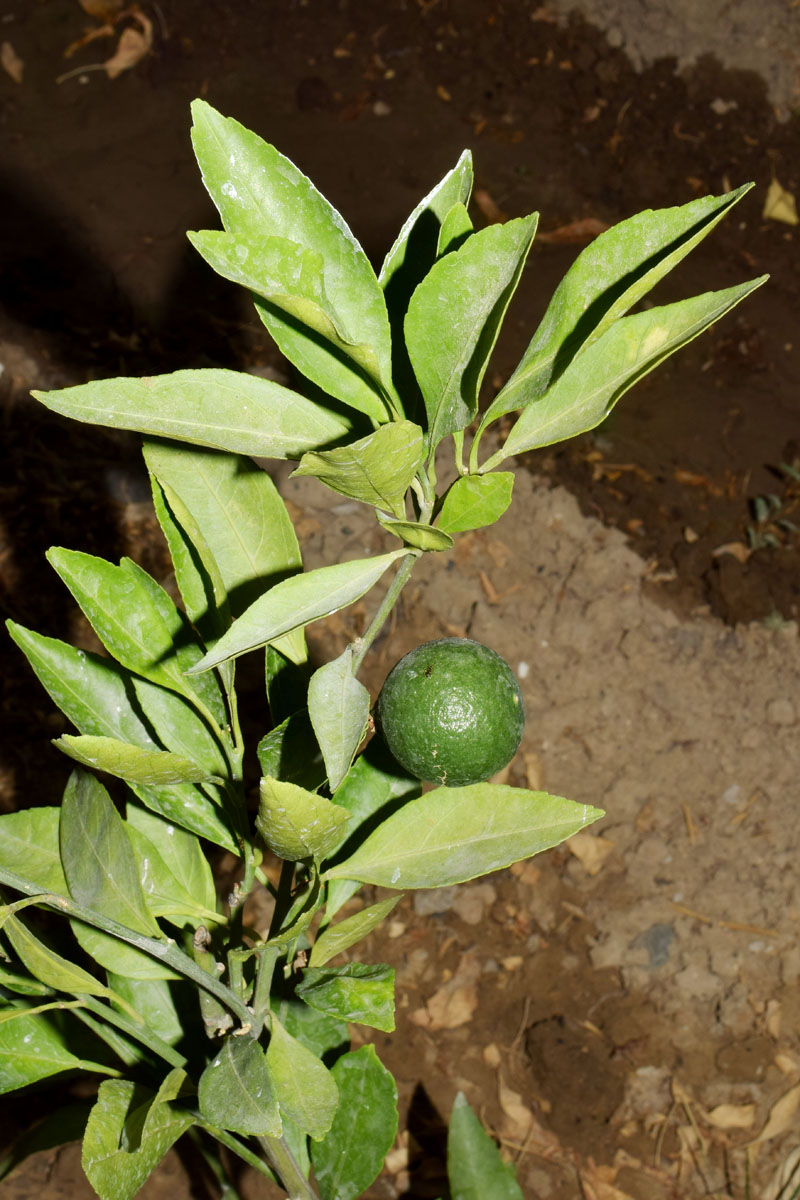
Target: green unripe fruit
[451, 712]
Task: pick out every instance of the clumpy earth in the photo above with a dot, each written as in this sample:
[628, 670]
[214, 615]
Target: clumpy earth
[622, 1012]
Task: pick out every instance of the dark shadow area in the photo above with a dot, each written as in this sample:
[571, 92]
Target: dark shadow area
[428, 1167]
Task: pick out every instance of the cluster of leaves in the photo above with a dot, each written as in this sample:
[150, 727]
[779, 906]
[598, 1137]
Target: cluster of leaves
[772, 525]
[205, 1026]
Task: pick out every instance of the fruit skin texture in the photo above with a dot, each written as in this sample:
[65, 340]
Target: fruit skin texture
[451, 712]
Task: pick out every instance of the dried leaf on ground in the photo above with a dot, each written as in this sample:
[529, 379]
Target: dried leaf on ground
[597, 1183]
[584, 230]
[454, 1003]
[737, 549]
[590, 851]
[101, 10]
[780, 205]
[11, 62]
[732, 1116]
[133, 46]
[782, 1116]
[494, 215]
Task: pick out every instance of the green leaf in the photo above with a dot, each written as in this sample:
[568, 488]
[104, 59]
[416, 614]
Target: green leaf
[421, 537]
[297, 824]
[29, 847]
[182, 857]
[450, 835]
[305, 1089]
[128, 1133]
[123, 613]
[475, 501]
[22, 985]
[454, 318]
[196, 572]
[456, 228]
[290, 752]
[235, 1090]
[319, 1033]
[340, 937]
[417, 245]
[32, 1048]
[374, 786]
[291, 279]
[102, 874]
[98, 697]
[257, 189]
[593, 382]
[152, 1000]
[356, 992]
[62, 1125]
[377, 469]
[228, 410]
[474, 1166]
[43, 963]
[297, 601]
[240, 511]
[607, 279]
[351, 1155]
[174, 883]
[338, 706]
[98, 862]
[147, 767]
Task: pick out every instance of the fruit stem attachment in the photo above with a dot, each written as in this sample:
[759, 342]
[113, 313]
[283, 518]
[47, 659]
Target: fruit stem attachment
[361, 645]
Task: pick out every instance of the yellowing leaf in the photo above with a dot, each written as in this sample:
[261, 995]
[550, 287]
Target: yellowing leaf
[781, 1116]
[11, 62]
[732, 1116]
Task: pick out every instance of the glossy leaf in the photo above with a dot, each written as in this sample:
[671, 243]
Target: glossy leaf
[153, 1001]
[593, 383]
[181, 855]
[102, 874]
[31, 1048]
[29, 847]
[450, 835]
[44, 964]
[454, 318]
[604, 282]
[235, 1090]
[150, 768]
[318, 1032]
[416, 248]
[128, 1133]
[173, 882]
[290, 752]
[197, 575]
[351, 1155]
[297, 824]
[257, 189]
[474, 1167]
[374, 787]
[240, 511]
[456, 228]
[475, 501]
[413, 533]
[304, 1087]
[296, 602]
[98, 697]
[340, 937]
[290, 278]
[180, 727]
[123, 614]
[377, 469]
[356, 992]
[227, 410]
[338, 707]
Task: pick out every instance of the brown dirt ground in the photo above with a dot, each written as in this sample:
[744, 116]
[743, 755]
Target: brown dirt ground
[597, 1011]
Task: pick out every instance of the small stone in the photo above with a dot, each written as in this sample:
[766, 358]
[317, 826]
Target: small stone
[721, 107]
[615, 37]
[381, 109]
[435, 900]
[781, 712]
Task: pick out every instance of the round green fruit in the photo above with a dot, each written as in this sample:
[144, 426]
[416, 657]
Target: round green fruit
[451, 712]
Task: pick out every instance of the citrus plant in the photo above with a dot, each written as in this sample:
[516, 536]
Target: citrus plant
[200, 1023]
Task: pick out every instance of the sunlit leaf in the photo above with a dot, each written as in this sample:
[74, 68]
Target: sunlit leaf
[305, 1089]
[338, 706]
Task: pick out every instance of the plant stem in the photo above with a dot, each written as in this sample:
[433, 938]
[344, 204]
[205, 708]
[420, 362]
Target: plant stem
[140, 1033]
[362, 644]
[280, 1157]
[164, 951]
